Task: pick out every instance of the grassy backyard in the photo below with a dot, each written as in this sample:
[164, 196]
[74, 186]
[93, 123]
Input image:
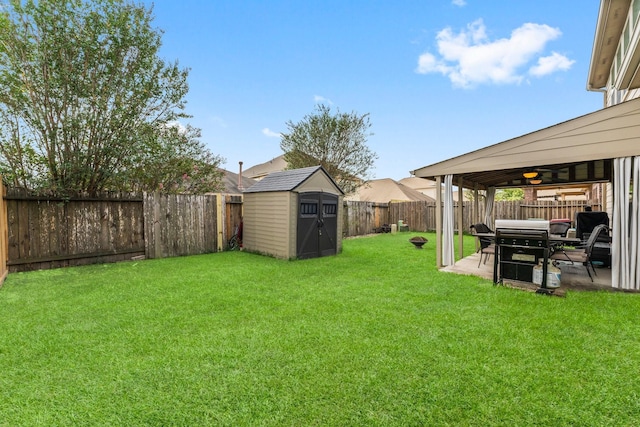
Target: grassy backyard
[375, 336]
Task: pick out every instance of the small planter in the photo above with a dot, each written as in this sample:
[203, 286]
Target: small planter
[418, 241]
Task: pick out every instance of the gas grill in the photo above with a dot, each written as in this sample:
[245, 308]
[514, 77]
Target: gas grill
[518, 250]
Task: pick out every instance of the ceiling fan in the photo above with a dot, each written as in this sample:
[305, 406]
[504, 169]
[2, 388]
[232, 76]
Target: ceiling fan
[536, 176]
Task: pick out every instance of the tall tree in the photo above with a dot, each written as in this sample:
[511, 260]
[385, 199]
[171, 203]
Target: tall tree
[174, 161]
[335, 141]
[84, 96]
[510, 194]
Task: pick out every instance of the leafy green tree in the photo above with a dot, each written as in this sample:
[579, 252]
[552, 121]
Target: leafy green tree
[86, 103]
[509, 194]
[174, 160]
[335, 141]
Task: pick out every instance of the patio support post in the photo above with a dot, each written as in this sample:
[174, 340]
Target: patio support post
[439, 221]
[460, 219]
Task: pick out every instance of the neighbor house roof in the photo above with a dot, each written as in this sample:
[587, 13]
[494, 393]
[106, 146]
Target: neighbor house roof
[230, 181]
[387, 190]
[419, 184]
[578, 150]
[258, 172]
[287, 180]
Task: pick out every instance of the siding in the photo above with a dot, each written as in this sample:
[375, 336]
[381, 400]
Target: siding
[268, 224]
[319, 183]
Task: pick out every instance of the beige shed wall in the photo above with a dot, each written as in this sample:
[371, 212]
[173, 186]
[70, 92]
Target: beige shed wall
[317, 182]
[268, 224]
[340, 223]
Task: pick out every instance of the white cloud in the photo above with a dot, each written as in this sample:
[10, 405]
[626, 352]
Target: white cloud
[321, 100]
[469, 57]
[550, 64]
[218, 121]
[271, 134]
[460, 3]
[176, 124]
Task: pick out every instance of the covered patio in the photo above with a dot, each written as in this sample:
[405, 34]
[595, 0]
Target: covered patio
[603, 146]
[574, 277]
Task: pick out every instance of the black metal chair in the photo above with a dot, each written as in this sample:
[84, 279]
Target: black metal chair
[583, 254]
[487, 246]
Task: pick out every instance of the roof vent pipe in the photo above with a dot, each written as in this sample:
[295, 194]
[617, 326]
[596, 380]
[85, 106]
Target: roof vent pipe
[240, 186]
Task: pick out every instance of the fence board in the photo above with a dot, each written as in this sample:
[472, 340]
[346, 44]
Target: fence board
[360, 218]
[48, 233]
[233, 215]
[4, 234]
[420, 216]
[179, 225]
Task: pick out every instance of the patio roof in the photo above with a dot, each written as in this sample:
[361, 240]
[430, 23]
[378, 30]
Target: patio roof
[578, 150]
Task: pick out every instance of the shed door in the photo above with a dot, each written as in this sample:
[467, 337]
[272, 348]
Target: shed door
[317, 225]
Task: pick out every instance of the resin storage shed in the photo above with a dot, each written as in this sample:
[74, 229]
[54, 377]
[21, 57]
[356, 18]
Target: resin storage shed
[293, 214]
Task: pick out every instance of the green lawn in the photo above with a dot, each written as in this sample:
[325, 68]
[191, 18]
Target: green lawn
[375, 336]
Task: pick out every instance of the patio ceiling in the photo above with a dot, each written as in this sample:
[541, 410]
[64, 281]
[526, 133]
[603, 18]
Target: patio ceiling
[552, 175]
[576, 151]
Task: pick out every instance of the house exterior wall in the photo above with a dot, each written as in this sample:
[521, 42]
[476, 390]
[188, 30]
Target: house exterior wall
[268, 224]
[623, 84]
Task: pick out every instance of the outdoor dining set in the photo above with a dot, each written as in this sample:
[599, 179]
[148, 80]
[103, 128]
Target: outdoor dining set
[531, 250]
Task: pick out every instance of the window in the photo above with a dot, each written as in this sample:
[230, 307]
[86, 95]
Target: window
[329, 209]
[308, 208]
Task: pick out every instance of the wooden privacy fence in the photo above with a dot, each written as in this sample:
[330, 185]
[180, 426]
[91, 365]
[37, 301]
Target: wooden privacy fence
[421, 215]
[42, 232]
[520, 209]
[360, 218]
[53, 232]
[4, 237]
[45, 232]
[179, 224]
[232, 217]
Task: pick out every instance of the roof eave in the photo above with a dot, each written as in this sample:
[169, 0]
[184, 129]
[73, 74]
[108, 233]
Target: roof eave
[611, 20]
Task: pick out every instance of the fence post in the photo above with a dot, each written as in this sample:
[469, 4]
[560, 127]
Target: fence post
[4, 234]
[220, 220]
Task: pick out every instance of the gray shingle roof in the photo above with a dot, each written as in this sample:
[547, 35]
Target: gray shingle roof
[283, 181]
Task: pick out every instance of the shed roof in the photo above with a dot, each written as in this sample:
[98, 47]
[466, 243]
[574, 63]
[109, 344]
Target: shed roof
[288, 180]
[561, 150]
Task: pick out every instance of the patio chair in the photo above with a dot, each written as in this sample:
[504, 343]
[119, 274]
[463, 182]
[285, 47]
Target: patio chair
[582, 255]
[487, 247]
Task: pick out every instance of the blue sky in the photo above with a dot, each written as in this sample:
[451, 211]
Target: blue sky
[439, 78]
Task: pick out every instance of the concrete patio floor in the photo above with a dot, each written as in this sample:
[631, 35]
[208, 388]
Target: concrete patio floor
[573, 277]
